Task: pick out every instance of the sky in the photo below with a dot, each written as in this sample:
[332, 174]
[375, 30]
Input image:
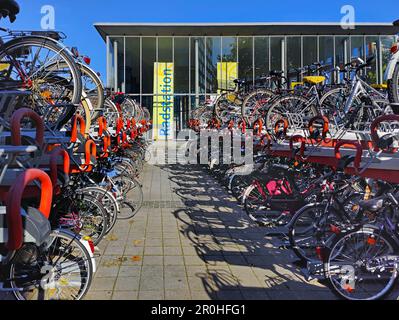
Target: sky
[76, 18]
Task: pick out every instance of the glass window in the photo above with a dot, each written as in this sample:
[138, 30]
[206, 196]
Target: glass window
[309, 50]
[342, 54]
[276, 60]
[148, 59]
[261, 56]
[117, 44]
[372, 49]
[201, 100]
[326, 54]
[357, 47]
[165, 52]
[245, 57]
[229, 68]
[229, 49]
[213, 52]
[294, 52]
[386, 44]
[201, 64]
[181, 110]
[182, 61]
[110, 63]
[342, 51]
[133, 65]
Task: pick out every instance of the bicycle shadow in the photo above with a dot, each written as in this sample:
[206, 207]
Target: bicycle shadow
[231, 245]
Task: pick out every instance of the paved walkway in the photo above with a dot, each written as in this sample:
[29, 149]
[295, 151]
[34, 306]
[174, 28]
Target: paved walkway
[192, 241]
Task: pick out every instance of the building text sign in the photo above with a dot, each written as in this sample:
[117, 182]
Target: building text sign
[163, 100]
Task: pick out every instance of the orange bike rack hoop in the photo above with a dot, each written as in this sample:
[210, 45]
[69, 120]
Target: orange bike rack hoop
[284, 122]
[13, 204]
[90, 151]
[53, 163]
[359, 152]
[259, 124]
[16, 126]
[302, 140]
[373, 128]
[325, 125]
[77, 118]
[102, 125]
[119, 125]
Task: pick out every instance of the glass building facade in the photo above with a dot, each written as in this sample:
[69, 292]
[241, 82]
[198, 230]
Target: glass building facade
[197, 52]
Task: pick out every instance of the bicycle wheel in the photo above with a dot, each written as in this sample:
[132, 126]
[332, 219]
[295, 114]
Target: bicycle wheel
[332, 103]
[225, 108]
[393, 86]
[28, 59]
[108, 202]
[60, 270]
[92, 91]
[111, 112]
[255, 205]
[255, 104]
[133, 196]
[93, 218]
[359, 266]
[309, 229]
[296, 109]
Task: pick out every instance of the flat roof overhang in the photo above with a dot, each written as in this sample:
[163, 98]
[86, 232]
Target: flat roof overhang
[241, 29]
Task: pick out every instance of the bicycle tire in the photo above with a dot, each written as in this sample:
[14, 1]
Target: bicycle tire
[393, 86]
[111, 205]
[273, 111]
[70, 239]
[368, 231]
[254, 94]
[43, 42]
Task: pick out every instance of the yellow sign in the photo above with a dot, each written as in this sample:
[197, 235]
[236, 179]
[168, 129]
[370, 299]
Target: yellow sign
[227, 73]
[163, 100]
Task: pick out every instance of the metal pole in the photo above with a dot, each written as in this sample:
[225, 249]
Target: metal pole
[379, 62]
[116, 66]
[283, 68]
[108, 57]
[196, 74]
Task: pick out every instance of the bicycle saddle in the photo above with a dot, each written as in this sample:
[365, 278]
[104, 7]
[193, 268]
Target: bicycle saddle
[314, 79]
[372, 205]
[276, 73]
[9, 8]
